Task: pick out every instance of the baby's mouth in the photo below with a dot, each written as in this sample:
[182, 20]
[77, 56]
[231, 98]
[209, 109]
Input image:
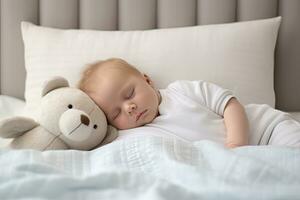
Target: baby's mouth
[140, 114]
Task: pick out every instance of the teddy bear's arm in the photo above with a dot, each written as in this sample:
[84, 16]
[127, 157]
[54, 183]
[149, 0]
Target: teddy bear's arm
[12, 127]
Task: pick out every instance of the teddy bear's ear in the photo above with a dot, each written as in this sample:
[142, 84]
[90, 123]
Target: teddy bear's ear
[112, 133]
[54, 83]
[12, 127]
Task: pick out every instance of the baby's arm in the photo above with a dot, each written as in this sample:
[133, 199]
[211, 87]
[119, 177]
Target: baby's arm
[236, 124]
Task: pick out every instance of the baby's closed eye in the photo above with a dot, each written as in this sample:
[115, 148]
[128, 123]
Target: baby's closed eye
[130, 93]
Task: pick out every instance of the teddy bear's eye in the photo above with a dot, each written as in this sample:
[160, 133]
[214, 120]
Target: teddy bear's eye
[95, 126]
[70, 106]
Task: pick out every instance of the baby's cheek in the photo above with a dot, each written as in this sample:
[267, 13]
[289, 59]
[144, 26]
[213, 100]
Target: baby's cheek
[152, 115]
[122, 123]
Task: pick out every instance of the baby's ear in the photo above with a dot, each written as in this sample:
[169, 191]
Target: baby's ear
[148, 79]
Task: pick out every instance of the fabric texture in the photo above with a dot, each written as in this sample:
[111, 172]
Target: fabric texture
[151, 168]
[238, 56]
[295, 115]
[265, 123]
[286, 133]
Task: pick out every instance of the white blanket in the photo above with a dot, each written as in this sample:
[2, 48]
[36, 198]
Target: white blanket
[152, 168]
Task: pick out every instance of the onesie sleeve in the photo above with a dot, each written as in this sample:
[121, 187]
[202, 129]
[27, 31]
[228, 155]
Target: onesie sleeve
[208, 94]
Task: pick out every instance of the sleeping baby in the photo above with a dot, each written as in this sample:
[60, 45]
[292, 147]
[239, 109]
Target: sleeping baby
[189, 110]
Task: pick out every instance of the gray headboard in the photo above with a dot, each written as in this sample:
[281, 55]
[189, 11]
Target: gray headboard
[151, 14]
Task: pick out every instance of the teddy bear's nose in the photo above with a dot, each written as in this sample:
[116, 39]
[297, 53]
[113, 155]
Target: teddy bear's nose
[85, 120]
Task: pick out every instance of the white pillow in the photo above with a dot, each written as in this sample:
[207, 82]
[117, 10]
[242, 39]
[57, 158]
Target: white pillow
[238, 56]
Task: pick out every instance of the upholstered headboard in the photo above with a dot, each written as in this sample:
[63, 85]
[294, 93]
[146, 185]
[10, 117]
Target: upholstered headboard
[151, 14]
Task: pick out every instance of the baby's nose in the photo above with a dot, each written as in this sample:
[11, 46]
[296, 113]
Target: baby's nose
[131, 107]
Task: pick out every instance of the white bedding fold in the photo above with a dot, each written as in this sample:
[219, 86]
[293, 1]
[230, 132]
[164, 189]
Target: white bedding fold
[152, 168]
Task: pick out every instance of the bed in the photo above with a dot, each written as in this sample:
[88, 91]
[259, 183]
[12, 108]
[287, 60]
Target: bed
[153, 167]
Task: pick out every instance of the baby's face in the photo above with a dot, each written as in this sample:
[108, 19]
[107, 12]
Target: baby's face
[128, 100]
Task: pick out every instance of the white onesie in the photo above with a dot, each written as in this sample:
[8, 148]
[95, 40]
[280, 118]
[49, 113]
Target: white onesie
[193, 110]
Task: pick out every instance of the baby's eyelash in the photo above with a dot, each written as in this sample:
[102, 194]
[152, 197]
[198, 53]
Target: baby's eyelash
[131, 93]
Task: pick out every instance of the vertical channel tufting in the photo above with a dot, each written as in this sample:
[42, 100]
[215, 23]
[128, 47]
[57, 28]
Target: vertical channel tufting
[287, 68]
[137, 14]
[256, 9]
[98, 14]
[12, 53]
[216, 11]
[59, 13]
[184, 11]
[0, 46]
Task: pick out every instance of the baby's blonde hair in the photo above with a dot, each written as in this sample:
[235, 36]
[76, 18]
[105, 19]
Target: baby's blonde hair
[89, 70]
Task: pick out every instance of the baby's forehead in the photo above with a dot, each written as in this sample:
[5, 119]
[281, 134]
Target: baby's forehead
[113, 74]
[111, 79]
